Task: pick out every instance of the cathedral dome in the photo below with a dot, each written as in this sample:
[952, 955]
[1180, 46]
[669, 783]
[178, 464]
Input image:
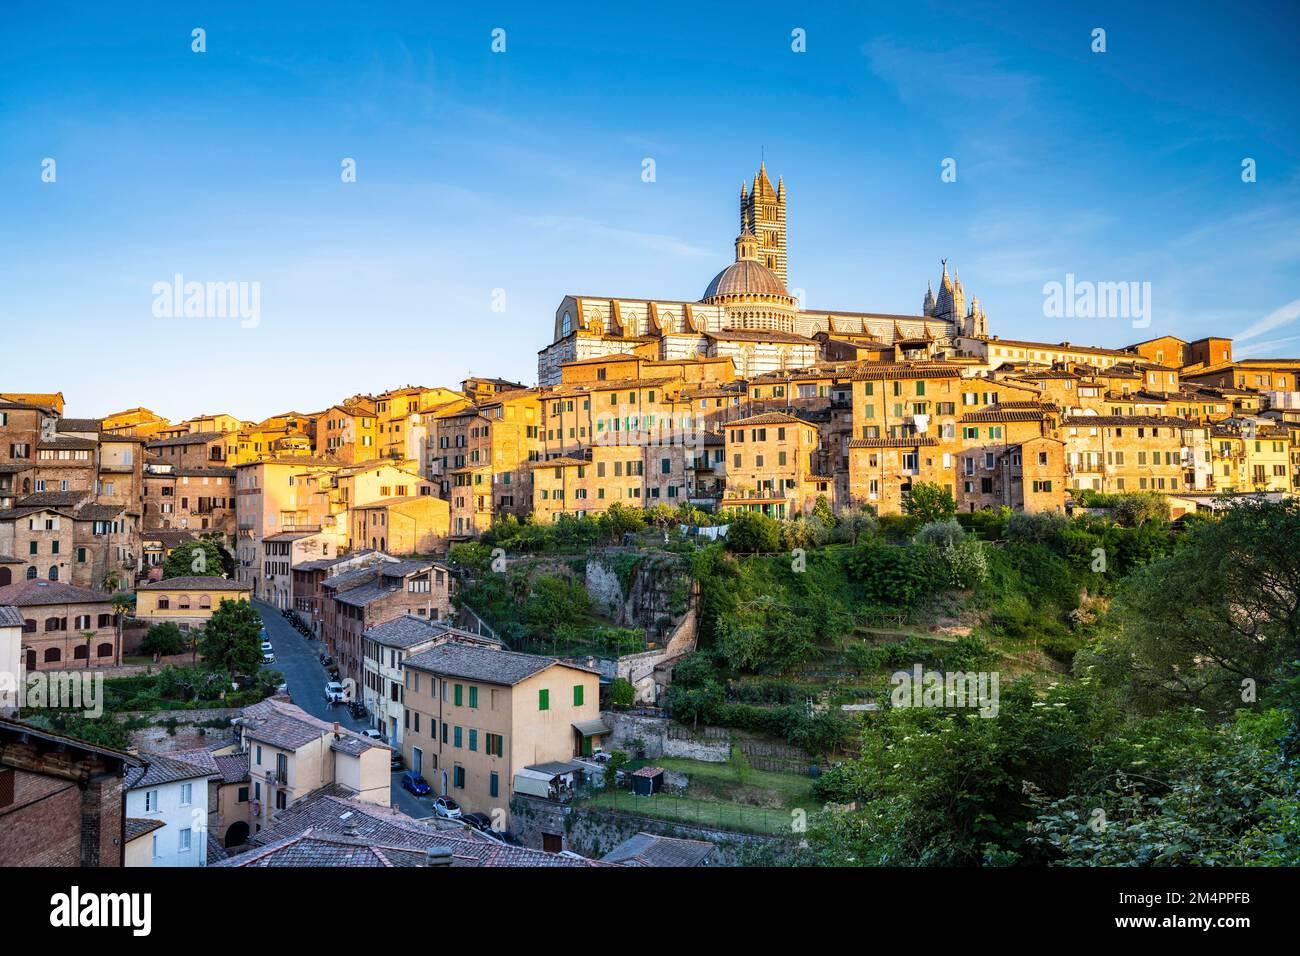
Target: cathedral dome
[746, 277]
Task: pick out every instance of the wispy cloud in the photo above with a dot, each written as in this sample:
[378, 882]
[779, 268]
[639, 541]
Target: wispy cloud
[657, 242]
[1275, 319]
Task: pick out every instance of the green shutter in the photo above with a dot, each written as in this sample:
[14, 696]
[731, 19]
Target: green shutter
[459, 689]
[577, 695]
[473, 696]
[473, 740]
[543, 700]
[456, 734]
[492, 785]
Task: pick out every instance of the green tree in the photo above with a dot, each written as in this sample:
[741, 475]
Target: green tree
[1217, 620]
[164, 639]
[555, 603]
[751, 532]
[200, 558]
[619, 520]
[622, 694]
[232, 639]
[928, 502]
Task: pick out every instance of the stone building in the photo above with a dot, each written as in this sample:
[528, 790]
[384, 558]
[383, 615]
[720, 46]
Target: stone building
[64, 626]
[61, 800]
[355, 600]
[747, 312]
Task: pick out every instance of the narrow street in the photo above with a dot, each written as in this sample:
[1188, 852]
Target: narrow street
[299, 660]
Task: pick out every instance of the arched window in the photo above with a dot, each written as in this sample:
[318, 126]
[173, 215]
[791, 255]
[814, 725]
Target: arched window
[54, 572]
[52, 655]
[31, 659]
[104, 650]
[81, 652]
[183, 602]
[105, 620]
[164, 603]
[83, 622]
[31, 572]
[53, 624]
[29, 626]
[205, 603]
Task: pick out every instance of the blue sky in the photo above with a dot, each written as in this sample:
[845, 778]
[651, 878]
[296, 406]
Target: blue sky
[521, 171]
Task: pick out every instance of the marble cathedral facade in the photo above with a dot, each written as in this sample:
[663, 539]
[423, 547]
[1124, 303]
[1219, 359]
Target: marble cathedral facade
[747, 312]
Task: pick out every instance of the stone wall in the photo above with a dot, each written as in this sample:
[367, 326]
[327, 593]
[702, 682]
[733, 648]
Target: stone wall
[187, 735]
[656, 740]
[594, 831]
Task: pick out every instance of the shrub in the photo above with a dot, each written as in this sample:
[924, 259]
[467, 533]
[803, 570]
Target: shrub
[891, 576]
[1040, 527]
[622, 694]
[164, 639]
[941, 534]
[927, 502]
[752, 532]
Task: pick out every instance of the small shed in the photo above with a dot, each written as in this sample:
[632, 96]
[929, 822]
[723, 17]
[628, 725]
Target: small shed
[647, 781]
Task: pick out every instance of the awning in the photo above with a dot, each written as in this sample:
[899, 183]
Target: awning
[556, 768]
[591, 728]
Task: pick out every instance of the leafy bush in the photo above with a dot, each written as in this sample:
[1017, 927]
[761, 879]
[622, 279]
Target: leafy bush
[751, 532]
[622, 694]
[928, 502]
[164, 639]
[941, 534]
[891, 576]
[1037, 527]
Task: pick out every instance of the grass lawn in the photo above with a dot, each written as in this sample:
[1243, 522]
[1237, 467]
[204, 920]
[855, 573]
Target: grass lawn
[717, 795]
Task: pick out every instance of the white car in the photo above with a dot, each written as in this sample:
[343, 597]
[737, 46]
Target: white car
[334, 693]
[447, 808]
[374, 735]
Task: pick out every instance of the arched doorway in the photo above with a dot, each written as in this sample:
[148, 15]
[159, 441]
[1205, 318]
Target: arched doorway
[237, 835]
[6, 577]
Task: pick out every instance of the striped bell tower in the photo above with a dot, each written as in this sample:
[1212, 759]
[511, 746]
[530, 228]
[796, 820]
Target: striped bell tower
[762, 209]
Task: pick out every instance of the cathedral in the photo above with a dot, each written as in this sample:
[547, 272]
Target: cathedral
[747, 313]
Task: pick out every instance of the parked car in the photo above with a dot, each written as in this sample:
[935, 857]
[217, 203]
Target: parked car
[374, 735]
[334, 692]
[479, 821]
[413, 782]
[447, 808]
[397, 762]
[268, 657]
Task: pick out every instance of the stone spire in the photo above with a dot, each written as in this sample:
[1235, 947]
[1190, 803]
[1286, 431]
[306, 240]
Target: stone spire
[762, 212]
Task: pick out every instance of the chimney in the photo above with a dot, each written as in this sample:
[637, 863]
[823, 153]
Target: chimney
[337, 735]
[437, 856]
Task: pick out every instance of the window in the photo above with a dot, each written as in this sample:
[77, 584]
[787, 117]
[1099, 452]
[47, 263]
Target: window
[473, 696]
[186, 841]
[150, 801]
[495, 745]
[473, 740]
[493, 786]
[458, 778]
[458, 694]
[457, 737]
[543, 700]
[187, 794]
[577, 695]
